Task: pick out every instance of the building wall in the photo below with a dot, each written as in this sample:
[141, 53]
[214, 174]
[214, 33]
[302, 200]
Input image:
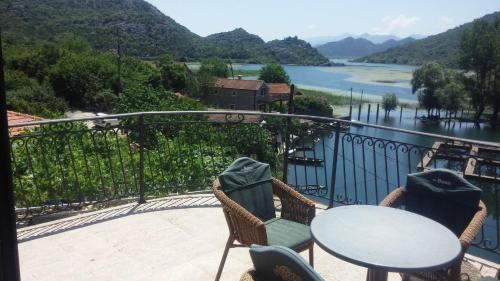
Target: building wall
[236, 99]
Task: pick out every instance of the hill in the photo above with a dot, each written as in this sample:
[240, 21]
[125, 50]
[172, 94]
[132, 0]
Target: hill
[443, 48]
[351, 47]
[139, 29]
[374, 38]
[241, 45]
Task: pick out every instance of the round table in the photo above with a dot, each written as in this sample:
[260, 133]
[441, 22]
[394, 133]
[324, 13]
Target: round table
[385, 239]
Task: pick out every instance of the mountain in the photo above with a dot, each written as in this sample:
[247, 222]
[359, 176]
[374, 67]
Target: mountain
[374, 38]
[241, 45]
[352, 47]
[443, 48]
[140, 30]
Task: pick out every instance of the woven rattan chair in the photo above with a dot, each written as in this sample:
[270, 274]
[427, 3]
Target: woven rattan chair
[247, 229]
[396, 199]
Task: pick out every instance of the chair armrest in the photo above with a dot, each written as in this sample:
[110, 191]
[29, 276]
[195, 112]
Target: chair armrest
[474, 226]
[249, 275]
[394, 199]
[294, 206]
[243, 225]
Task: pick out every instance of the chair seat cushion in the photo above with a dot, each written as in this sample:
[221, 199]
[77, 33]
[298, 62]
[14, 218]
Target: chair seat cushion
[249, 183]
[443, 196]
[275, 263]
[286, 233]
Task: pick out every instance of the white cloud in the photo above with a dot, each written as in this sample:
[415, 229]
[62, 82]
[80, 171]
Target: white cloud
[447, 20]
[394, 24]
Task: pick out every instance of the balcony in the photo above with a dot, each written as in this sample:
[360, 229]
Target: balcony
[131, 201]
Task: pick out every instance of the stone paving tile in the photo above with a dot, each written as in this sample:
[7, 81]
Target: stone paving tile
[163, 243]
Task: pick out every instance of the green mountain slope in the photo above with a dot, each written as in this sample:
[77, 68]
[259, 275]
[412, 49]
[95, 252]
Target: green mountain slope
[443, 48]
[139, 28]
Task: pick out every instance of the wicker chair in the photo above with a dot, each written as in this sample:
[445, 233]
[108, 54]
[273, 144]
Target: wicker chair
[397, 198]
[247, 229]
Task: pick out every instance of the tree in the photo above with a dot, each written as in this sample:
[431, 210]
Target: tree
[451, 96]
[274, 73]
[214, 67]
[478, 50]
[426, 80]
[389, 103]
[173, 76]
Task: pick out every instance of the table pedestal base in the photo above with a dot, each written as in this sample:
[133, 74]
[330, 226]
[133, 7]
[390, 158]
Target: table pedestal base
[376, 275]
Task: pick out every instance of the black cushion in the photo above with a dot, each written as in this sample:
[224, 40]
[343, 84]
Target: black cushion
[443, 196]
[276, 263]
[249, 183]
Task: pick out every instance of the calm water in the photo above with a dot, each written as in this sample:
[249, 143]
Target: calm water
[366, 173]
[374, 79]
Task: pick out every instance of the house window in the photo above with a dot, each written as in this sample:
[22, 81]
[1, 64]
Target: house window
[232, 106]
[233, 94]
[262, 92]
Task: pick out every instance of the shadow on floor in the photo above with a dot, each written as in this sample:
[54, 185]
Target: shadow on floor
[178, 202]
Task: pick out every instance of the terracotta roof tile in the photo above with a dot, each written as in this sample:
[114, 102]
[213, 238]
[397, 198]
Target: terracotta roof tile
[278, 88]
[252, 85]
[16, 118]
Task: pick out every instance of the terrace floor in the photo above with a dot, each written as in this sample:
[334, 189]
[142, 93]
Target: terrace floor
[175, 238]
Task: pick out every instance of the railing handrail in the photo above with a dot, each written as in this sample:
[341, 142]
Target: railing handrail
[255, 113]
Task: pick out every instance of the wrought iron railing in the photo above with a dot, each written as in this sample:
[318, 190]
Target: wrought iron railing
[71, 164]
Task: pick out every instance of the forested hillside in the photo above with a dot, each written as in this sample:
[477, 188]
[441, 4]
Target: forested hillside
[137, 28]
[443, 48]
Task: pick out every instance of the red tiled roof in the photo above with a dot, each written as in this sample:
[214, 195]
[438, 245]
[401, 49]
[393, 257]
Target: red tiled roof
[278, 88]
[252, 85]
[16, 118]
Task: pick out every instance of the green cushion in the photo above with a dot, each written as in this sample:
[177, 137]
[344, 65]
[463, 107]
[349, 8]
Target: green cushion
[443, 196]
[249, 183]
[488, 279]
[275, 263]
[290, 234]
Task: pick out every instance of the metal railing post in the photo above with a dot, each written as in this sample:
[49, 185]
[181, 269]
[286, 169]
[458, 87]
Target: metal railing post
[287, 133]
[142, 199]
[334, 164]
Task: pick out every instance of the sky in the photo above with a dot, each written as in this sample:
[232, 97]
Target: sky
[276, 19]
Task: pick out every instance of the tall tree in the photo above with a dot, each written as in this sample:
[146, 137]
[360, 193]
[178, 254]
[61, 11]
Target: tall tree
[214, 67]
[173, 75]
[274, 73]
[478, 51]
[451, 96]
[426, 80]
[389, 103]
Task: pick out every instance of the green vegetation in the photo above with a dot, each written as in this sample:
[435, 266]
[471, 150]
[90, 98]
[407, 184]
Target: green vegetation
[480, 55]
[426, 80]
[274, 73]
[331, 98]
[49, 78]
[307, 105]
[137, 28]
[443, 48]
[389, 103]
[478, 84]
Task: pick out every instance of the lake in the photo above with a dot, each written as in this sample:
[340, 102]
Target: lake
[374, 80]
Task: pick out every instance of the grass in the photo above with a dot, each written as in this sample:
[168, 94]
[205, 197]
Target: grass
[245, 72]
[343, 100]
[331, 98]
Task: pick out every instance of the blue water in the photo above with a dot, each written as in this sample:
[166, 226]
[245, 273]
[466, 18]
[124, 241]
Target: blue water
[336, 78]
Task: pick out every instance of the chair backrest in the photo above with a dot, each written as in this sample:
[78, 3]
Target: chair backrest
[276, 263]
[443, 196]
[249, 183]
